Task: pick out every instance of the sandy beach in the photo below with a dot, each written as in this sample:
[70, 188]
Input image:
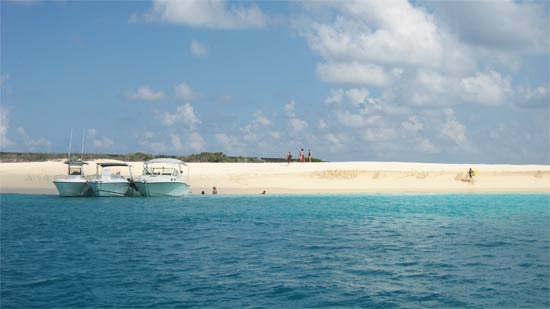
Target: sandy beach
[311, 178]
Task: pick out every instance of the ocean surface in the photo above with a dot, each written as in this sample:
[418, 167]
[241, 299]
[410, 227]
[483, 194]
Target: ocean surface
[279, 251]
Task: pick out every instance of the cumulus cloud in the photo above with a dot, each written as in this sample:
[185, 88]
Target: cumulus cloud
[193, 141]
[145, 93]
[218, 14]
[184, 91]
[289, 108]
[498, 25]
[455, 130]
[353, 73]
[412, 125]
[357, 96]
[297, 124]
[183, 114]
[425, 146]
[485, 88]
[98, 141]
[390, 33]
[336, 96]
[198, 49]
[322, 125]
[533, 97]
[40, 144]
[4, 125]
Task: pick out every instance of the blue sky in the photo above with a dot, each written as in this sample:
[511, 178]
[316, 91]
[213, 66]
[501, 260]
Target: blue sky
[425, 81]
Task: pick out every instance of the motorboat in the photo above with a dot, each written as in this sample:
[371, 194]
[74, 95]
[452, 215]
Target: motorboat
[111, 183]
[74, 183]
[163, 177]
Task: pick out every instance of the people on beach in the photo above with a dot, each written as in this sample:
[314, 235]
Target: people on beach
[263, 193]
[214, 190]
[471, 173]
[202, 192]
[302, 156]
[309, 155]
[289, 157]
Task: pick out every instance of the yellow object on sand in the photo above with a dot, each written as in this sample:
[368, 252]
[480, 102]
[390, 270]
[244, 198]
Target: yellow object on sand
[475, 173]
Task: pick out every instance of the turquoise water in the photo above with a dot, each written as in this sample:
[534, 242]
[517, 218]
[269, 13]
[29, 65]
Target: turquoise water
[384, 251]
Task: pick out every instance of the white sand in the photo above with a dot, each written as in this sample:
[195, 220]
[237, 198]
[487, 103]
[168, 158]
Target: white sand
[335, 177]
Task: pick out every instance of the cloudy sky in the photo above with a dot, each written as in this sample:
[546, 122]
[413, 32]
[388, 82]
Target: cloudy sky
[425, 81]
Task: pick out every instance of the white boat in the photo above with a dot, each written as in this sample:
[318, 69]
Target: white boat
[163, 177]
[108, 183]
[74, 183]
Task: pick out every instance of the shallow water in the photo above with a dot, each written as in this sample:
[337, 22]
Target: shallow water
[281, 251]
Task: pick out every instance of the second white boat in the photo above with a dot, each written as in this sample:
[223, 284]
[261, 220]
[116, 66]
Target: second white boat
[108, 183]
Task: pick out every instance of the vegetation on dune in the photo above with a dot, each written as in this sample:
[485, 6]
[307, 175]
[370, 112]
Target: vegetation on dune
[136, 156]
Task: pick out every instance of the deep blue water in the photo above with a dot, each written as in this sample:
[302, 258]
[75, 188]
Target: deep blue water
[384, 251]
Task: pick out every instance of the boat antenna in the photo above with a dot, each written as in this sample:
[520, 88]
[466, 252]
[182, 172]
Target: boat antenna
[70, 144]
[82, 151]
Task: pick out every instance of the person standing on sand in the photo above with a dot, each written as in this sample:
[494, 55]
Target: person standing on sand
[302, 156]
[309, 155]
[471, 173]
[288, 157]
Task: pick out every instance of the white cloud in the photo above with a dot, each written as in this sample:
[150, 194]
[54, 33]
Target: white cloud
[533, 97]
[196, 141]
[389, 33]
[145, 93]
[498, 25]
[379, 134]
[198, 49]
[353, 73]
[356, 120]
[322, 125]
[357, 96]
[230, 143]
[425, 146]
[98, 141]
[335, 142]
[297, 124]
[184, 91]
[337, 95]
[218, 14]
[4, 125]
[485, 88]
[412, 125]
[455, 130]
[289, 108]
[193, 141]
[184, 114]
[40, 144]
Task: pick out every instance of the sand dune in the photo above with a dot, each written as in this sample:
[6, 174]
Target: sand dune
[330, 177]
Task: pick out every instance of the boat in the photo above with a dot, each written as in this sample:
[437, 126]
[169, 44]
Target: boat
[163, 177]
[109, 183]
[74, 183]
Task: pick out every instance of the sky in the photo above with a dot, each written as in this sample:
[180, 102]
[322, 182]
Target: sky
[420, 81]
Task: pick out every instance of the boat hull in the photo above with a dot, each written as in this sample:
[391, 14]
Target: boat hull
[162, 188]
[70, 188]
[110, 188]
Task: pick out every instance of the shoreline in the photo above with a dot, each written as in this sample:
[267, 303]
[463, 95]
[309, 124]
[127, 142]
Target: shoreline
[312, 178]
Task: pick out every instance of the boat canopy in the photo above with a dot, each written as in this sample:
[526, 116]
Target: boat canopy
[75, 162]
[109, 164]
[166, 160]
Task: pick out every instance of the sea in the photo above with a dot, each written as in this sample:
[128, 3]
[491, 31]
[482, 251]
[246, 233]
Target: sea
[276, 251]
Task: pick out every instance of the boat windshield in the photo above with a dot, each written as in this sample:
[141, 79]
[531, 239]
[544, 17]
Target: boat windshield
[75, 170]
[170, 171]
